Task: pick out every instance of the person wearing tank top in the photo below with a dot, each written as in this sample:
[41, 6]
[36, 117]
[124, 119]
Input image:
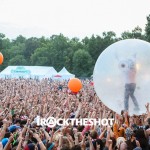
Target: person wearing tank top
[129, 71]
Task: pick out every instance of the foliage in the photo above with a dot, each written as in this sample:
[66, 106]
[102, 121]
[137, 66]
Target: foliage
[147, 29]
[82, 63]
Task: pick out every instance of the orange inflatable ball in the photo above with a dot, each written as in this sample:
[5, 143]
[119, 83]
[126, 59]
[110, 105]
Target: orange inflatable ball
[1, 58]
[74, 85]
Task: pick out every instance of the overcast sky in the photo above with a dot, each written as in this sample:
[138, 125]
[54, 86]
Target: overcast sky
[73, 18]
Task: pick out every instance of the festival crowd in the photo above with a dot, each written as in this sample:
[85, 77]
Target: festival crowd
[22, 100]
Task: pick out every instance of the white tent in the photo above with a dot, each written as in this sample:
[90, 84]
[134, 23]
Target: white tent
[35, 72]
[50, 73]
[63, 75]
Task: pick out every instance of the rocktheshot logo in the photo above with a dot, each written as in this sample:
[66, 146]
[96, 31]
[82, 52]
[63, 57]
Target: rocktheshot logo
[51, 122]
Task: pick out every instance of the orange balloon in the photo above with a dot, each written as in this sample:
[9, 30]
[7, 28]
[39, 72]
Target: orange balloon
[74, 85]
[1, 58]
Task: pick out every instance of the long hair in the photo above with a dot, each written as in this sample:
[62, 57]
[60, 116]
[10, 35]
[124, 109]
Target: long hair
[140, 135]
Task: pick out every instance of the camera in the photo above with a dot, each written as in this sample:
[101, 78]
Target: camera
[87, 133]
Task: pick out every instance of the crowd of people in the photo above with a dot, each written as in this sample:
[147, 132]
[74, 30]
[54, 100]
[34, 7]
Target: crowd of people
[22, 100]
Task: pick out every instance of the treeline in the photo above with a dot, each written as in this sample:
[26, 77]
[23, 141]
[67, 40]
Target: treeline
[78, 56]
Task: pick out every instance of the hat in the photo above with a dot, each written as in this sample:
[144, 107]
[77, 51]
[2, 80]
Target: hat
[128, 133]
[4, 141]
[30, 146]
[119, 141]
[12, 128]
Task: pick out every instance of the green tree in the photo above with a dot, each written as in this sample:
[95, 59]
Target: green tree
[57, 48]
[16, 49]
[96, 45]
[4, 46]
[31, 45]
[147, 29]
[82, 63]
[126, 35]
[17, 60]
[135, 34]
[73, 45]
[18, 40]
[2, 36]
[40, 57]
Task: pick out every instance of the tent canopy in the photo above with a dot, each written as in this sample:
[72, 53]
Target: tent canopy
[38, 72]
[63, 74]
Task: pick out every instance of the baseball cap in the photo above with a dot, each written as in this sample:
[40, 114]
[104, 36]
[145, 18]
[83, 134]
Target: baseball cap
[128, 133]
[4, 141]
[12, 128]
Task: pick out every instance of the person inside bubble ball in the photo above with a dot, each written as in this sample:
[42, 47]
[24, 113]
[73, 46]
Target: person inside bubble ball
[128, 68]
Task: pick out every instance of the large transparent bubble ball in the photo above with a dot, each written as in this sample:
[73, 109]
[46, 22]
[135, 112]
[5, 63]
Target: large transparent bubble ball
[122, 76]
